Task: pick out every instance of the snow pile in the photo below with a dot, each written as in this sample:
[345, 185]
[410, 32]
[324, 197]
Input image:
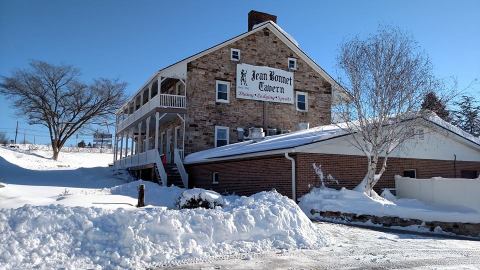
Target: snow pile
[155, 194]
[56, 236]
[351, 201]
[192, 198]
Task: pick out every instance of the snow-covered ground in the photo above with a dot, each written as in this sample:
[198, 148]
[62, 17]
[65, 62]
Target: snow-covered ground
[356, 248]
[74, 214]
[351, 201]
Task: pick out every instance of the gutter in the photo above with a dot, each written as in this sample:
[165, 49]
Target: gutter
[294, 195]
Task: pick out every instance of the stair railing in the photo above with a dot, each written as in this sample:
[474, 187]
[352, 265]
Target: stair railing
[160, 169]
[181, 169]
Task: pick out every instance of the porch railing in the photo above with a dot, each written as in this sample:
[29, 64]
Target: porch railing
[161, 100]
[148, 157]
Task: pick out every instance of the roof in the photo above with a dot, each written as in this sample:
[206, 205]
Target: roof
[288, 142]
[278, 31]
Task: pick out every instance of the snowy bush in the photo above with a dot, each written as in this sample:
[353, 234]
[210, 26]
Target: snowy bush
[199, 198]
[323, 181]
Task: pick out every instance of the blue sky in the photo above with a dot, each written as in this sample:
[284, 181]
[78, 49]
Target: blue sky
[130, 40]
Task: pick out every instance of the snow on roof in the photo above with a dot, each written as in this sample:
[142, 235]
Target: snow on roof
[299, 138]
[277, 142]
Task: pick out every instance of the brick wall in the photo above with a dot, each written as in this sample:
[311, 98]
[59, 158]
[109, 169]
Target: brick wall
[248, 176]
[262, 48]
[244, 177]
[350, 170]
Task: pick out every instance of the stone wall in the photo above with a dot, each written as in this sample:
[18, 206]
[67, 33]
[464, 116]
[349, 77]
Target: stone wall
[262, 48]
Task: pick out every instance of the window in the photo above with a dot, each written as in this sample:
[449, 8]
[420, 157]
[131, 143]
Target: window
[410, 173]
[292, 64]
[221, 136]
[469, 174]
[302, 101]
[420, 134]
[235, 55]
[222, 91]
[215, 178]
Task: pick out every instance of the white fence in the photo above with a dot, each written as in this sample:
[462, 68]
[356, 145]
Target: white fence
[446, 191]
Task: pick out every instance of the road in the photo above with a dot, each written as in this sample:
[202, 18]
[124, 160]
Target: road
[357, 248]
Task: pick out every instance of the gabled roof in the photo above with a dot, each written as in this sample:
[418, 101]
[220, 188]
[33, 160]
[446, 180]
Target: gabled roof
[289, 142]
[280, 33]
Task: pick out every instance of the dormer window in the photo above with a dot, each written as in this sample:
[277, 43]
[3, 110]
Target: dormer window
[292, 64]
[235, 54]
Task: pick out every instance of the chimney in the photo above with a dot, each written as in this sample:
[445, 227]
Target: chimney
[256, 17]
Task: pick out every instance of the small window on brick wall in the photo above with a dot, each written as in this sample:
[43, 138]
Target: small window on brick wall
[410, 173]
[235, 55]
[215, 178]
[292, 64]
[221, 136]
[469, 174]
[222, 91]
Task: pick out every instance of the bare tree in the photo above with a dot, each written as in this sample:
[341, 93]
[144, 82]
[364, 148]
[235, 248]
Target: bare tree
[54, 96]
[3, 138]
[387, 77]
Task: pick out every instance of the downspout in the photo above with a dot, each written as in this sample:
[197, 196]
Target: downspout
[294, 195]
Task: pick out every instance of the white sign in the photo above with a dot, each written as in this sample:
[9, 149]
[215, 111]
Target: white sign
[264, 83]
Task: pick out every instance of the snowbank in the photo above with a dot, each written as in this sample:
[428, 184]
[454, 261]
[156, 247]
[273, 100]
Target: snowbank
[56, 236]
[350, 201]
[155, 194]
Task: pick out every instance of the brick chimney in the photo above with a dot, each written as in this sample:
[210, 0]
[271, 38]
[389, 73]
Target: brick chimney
[256, 17]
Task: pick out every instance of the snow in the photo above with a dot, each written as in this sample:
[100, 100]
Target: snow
[357, 248]
[78, 216]
[56, 236]
[351, 201]
[298, 138]
[283, 141]
[213, 198]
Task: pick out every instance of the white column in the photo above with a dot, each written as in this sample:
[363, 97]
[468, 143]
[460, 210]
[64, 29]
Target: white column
[139, 138]
[150, 92]
[159, 84]
[121, 146]
[141, 98]
[147, 134]
[133, 140]
[157, 120]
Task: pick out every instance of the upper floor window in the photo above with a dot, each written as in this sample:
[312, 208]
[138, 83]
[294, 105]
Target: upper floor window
[222, 90]
[235, 54]
[178, 88]
[292, 64]
[302, 101]
[221, 136]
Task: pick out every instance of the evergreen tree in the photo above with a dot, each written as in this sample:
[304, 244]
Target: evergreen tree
[433, 103]
[467, 117]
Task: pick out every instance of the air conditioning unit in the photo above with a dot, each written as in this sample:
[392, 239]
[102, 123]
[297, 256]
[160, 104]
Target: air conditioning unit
[256, 134]
[271, 131]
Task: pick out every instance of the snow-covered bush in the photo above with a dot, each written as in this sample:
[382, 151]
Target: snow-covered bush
[323, 181]
[199, 198]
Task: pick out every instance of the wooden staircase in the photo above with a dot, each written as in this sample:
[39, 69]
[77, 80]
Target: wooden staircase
[173, 176]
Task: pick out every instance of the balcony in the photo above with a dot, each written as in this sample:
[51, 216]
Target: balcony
[165, 102]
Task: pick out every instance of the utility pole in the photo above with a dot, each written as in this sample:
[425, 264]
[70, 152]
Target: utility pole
[24, 132]
[16, 133]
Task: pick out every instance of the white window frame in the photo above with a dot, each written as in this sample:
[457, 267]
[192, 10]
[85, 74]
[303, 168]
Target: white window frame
[213, 178]
[217, 82]
[231, 54]
[414, 170]
[306, 101]
[294, 61]
[219, 128]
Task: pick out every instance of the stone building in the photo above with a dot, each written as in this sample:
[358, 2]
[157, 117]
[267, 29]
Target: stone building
[258, 79]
